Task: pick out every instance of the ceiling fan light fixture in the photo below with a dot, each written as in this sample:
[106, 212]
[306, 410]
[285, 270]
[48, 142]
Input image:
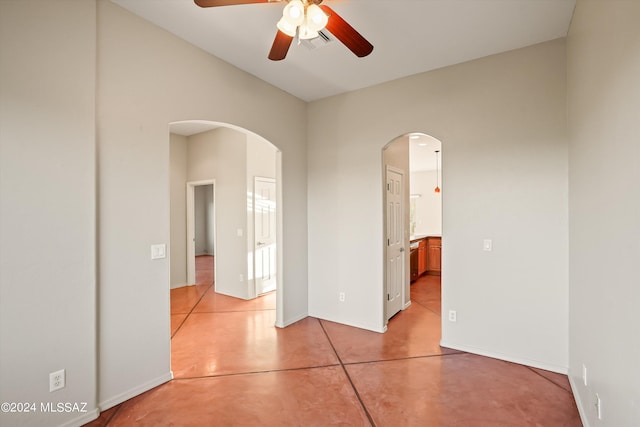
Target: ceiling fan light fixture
[307, 33]
[293, 13]
[286, 27]
[316, 18]
[304, 19]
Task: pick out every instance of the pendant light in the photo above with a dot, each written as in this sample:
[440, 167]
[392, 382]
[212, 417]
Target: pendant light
[437, 189]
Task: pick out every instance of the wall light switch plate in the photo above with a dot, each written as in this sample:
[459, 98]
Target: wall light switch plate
[239, 232]
[158, 251]
[487, 245]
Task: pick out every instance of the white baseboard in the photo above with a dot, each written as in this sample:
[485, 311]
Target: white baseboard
[520, 361]
[82, 419]
[178, 285]
[292, 320]
[579, 403]
[406, 305]
[115, 400]
[381, 329]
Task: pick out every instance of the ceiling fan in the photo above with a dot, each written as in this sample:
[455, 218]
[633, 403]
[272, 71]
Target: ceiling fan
[304, 19]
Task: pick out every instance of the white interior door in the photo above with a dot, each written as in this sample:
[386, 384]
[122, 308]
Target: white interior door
[395, 254]
[265, 234]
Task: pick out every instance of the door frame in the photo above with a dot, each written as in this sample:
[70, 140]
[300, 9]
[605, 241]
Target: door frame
[191, 255]
[274, 182]
[387, 168]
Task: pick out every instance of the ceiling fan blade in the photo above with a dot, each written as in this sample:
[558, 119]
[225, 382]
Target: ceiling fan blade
[280, 46]
[347, 34]
[214, 3]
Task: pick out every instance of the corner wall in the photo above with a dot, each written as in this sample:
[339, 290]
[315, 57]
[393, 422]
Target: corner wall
[178, 215]
[148, 78]
[604, 185]
[502, 120]
[221, 154]
[47, 208]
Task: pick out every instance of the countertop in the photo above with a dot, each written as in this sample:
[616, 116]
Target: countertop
[422, 236]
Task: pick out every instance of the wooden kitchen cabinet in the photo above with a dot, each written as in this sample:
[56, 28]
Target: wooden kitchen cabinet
[434, 255]
[414, 264]
[422, 257]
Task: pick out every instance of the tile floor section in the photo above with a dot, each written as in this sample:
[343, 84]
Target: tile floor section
[232, 367]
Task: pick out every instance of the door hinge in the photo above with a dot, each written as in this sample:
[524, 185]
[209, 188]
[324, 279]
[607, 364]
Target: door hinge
[387, 242]
[388, 297]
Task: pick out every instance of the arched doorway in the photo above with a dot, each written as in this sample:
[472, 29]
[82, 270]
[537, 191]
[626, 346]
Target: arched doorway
[412, 215]
[245, 172]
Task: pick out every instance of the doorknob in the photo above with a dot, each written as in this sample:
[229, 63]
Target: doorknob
[260, 244]
[401, 249]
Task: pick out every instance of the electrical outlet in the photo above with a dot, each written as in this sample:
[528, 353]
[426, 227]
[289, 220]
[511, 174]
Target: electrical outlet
[584, 374]
[241, 277]
[598, 406]
[453, 316]
[341, 296]
[56, 380]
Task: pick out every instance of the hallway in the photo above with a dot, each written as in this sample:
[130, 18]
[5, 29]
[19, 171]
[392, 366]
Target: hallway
[232, 367]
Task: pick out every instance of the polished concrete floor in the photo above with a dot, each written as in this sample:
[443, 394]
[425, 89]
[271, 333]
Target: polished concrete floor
[232, 367]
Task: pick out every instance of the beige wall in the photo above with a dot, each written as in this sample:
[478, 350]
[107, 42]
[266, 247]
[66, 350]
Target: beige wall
[178, 214]
[502, 123]
[604, 184]
[232, 158]
[261, 159]
[220, 154]
[47, 207]
[501, 120]
[147, 79]
[428, 205]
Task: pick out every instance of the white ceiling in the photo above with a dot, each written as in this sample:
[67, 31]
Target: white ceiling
[422, 152]
[409, 37]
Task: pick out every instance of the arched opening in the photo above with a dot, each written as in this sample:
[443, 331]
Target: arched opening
[412, 213]
[237, 174]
